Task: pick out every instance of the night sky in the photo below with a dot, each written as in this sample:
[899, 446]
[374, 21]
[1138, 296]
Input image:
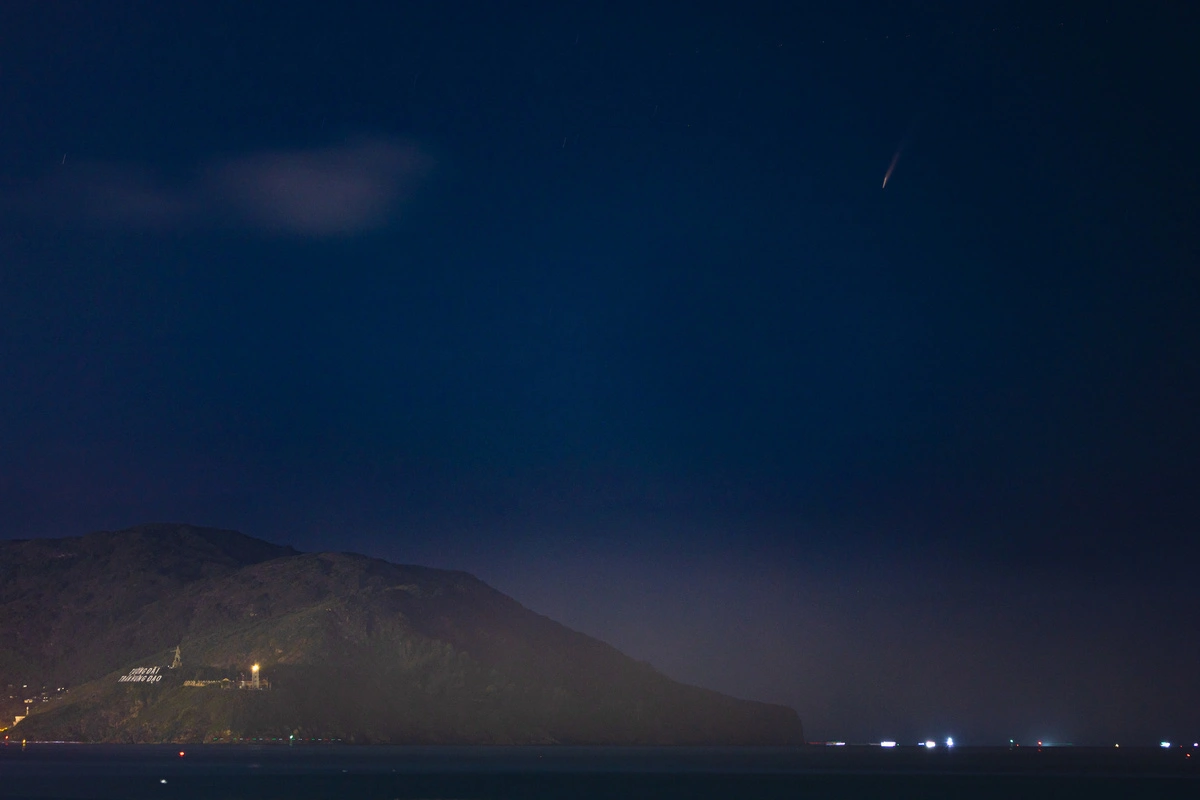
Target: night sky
[605, 304]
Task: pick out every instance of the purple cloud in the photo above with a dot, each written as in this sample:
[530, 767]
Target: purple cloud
[338, 190]
[333, 191]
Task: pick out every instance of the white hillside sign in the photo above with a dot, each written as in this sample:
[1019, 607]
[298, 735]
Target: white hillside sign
[141, 675]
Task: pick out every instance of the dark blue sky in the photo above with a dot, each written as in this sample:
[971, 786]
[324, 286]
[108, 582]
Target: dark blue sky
[605, 304]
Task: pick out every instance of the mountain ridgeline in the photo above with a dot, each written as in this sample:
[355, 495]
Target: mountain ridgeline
[352, 648]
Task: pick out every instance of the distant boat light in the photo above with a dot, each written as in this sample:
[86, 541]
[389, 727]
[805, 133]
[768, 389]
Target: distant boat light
[931, 744]
[949, 741]
[1164, 744]
[887, 744]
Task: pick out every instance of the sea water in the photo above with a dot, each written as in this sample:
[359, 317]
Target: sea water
[304, 771]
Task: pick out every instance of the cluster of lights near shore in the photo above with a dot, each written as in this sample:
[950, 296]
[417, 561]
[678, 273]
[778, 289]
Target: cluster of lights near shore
[930, 744]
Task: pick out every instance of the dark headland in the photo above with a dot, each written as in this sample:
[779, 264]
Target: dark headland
[348, 648]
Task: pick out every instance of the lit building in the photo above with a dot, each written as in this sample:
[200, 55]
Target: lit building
[256, 681]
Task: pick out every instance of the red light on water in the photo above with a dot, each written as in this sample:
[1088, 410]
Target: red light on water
[181, 754]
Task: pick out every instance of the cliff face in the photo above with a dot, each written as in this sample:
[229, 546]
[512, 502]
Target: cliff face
[353, 648]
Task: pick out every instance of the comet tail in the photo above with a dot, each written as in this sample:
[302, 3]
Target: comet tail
[891, 167]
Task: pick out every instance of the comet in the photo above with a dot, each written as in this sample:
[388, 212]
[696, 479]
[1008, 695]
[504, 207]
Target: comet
[891, 167]
[912, 129]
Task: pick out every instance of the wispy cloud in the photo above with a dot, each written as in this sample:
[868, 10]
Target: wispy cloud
[332, 191]
[326, 192]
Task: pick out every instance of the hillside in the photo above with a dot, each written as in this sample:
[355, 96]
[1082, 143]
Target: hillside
[71, 608]
[354, 648]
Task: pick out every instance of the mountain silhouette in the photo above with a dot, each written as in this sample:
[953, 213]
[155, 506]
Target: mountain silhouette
[352, 648]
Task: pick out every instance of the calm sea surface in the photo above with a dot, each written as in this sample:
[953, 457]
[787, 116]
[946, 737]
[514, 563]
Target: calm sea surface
[270, 771]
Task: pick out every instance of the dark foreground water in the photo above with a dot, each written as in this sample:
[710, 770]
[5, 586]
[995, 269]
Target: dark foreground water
[232, 771]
